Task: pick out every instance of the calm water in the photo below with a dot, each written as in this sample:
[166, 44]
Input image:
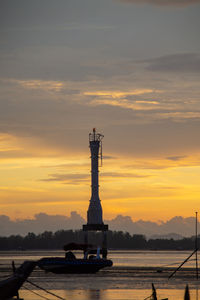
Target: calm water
[129, 278]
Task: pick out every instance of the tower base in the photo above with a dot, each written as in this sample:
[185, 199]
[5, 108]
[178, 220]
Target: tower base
[97, 227]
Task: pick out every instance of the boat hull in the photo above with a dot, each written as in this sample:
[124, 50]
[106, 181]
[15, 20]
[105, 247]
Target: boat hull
[63, 266]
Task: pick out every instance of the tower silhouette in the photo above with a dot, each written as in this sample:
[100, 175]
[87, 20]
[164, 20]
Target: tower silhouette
[94, 213]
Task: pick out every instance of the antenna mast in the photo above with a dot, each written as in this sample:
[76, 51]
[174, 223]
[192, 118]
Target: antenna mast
[196, 245]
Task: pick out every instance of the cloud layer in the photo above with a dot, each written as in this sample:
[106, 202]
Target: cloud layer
[188, 62]
[164, 2]
[42, 221]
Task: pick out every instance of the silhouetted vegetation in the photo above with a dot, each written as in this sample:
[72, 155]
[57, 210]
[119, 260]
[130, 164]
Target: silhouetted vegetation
[116, 240]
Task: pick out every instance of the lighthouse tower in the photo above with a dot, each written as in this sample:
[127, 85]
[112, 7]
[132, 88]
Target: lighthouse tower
[94, 213]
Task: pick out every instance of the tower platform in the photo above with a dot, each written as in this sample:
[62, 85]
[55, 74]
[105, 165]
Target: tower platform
[95, 227]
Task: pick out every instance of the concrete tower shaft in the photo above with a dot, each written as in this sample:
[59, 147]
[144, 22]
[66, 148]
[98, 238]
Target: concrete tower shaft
[94, 213]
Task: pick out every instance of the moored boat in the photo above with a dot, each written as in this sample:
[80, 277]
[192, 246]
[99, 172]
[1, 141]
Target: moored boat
[62, 265]
[71, 264]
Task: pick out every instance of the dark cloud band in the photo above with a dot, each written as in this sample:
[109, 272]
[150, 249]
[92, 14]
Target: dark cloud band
[164, 2]
[181, 62]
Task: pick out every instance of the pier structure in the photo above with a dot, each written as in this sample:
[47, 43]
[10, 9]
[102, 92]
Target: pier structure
[94, 213]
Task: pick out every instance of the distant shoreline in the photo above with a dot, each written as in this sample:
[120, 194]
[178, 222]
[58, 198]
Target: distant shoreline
[117, 240]
[110, 249]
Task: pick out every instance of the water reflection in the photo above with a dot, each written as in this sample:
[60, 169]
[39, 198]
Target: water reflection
[120, 258]
[121, 283]
[197, 293]
[94, 294]
[113, 294]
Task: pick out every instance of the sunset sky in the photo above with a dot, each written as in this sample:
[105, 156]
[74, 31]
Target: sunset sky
[130, 68]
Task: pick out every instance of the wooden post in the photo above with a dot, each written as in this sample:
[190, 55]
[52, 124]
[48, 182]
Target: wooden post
[196, 247]
[154, 294]
[104, 244]
[85, 238]
[187, 293]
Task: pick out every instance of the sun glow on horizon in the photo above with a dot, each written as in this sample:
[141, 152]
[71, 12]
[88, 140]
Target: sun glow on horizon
[145, 188]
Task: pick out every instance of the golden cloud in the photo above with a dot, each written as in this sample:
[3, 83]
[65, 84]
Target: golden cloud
[8, 143]
[124, 103]
[48, 85]
[179, 115]
[118, 94]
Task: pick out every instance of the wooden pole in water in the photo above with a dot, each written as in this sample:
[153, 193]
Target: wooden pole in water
[195, 251]
[182, 263]
[196, 246]
[154, 294]
[187, 293]
[197, 297]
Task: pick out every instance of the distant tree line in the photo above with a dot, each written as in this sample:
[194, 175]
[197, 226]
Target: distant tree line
[116, 240]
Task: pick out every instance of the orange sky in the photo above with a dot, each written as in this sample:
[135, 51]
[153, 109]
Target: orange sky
[148, 188]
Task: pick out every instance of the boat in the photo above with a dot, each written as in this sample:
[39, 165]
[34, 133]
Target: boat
[10, 286]
[90, 263]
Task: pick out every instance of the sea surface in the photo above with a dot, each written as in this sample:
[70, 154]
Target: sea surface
[131, 277]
